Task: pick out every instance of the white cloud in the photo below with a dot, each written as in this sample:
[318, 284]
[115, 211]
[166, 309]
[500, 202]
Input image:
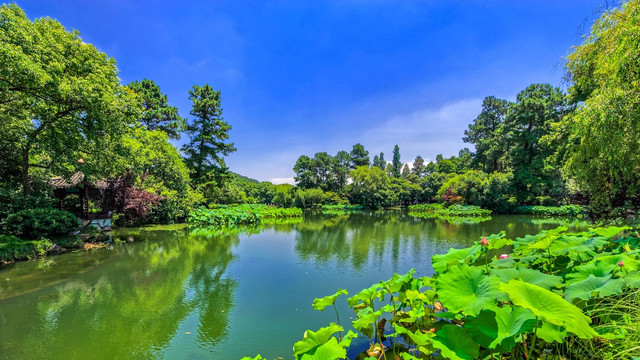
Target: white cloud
[426, 132]
[278, 181]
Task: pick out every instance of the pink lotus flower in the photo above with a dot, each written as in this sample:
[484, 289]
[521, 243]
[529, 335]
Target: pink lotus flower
[620, 263]
[484, 241]
[503, 256]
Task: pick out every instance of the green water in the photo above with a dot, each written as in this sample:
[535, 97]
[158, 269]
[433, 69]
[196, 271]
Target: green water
[198, 294]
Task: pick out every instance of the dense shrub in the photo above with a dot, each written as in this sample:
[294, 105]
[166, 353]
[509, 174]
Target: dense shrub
[13, 248]
[13, 201]
[39, 223]
[566, 210]
[241, 214]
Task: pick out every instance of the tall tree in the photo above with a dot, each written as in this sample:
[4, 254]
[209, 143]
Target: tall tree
[61, 95]
[340, 169]
[603, 147]
[405, 170]
[204, 154]
[359, 156]
[486, 134]
[396, 164]
[305, 172]
[156, 112]
[419, 168]
[537, 107]
[376, 161]
[382, 162]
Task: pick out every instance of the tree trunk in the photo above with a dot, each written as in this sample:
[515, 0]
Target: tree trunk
[26, 189]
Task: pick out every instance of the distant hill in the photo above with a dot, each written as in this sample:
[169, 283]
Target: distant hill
[244, 178]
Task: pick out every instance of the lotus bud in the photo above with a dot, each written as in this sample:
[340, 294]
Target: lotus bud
[484, 241]
[503, 256]
[620, 263]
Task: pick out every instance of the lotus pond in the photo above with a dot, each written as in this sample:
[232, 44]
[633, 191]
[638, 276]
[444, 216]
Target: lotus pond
[192, 293]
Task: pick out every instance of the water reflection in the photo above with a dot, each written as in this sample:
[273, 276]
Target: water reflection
[133, 308]
[201, 293]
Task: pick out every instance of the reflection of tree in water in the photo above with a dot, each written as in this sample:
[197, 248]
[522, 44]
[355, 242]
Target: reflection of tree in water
[364, 237]
[133, 308]
[360, 237]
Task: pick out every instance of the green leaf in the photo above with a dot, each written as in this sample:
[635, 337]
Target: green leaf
[467, 289]
[550, 332]
[610, 231]
[314, 340]
[329, 350]
[534, 277]
[453, 257]
[397, 281]
[549, 306]
[498, 328]
[321, 303]
[418, 337]
[455, 343]
[593, 286]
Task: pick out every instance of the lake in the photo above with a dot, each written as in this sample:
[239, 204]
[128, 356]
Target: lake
[184, 293]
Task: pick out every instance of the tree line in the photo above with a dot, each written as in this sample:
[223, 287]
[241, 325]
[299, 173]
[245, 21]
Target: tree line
[64, 110]
[548, 147]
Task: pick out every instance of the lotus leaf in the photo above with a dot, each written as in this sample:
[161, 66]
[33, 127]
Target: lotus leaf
[455, 257]
[548, 306]
[467, 289]
[593, 286]
[455, 343]
[321, 303]
[534, 277]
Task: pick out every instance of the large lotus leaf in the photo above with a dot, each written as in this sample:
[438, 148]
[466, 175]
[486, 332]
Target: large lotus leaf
[498, 328]
[398, 281]
[366, 318]
[544, 242]
[329, 350]
[418, 337]
[632, 279]
[455, 343]
[314, 339]
[531, 276]
[453, 257]
[321, 303]
[406, 356]
[365, 296]
[550, 333]
[570, 246]
[549, 306]
[593, 286]
[610, 231]
[630, 261]
[467, 289]
[582, 272]
[505, 263]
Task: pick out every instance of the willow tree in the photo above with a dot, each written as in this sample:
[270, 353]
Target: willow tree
[59, 96]
[604, 70]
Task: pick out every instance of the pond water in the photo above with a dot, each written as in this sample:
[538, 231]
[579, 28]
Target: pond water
[184, 293]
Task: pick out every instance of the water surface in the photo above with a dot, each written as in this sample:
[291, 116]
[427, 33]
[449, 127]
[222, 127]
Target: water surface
[184, 293]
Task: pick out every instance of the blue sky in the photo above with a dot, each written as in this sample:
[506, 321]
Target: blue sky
[300, 77]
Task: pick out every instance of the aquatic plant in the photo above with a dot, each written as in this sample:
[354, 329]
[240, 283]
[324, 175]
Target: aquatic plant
[541, 296]
[241, 214]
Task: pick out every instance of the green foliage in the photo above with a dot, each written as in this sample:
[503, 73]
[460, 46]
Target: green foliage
[156, 112]
[453, 214]
[39, 223]
[241, 214]
[565, 210]
[479, 306]
[14, 201]
[13, 248]
[369, 187]
[58, 94]
[205, 151]
[604, 132]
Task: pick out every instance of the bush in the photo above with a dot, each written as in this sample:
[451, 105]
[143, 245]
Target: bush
[565, 210]
[13, 201]
[39, 223]
[12, 248]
